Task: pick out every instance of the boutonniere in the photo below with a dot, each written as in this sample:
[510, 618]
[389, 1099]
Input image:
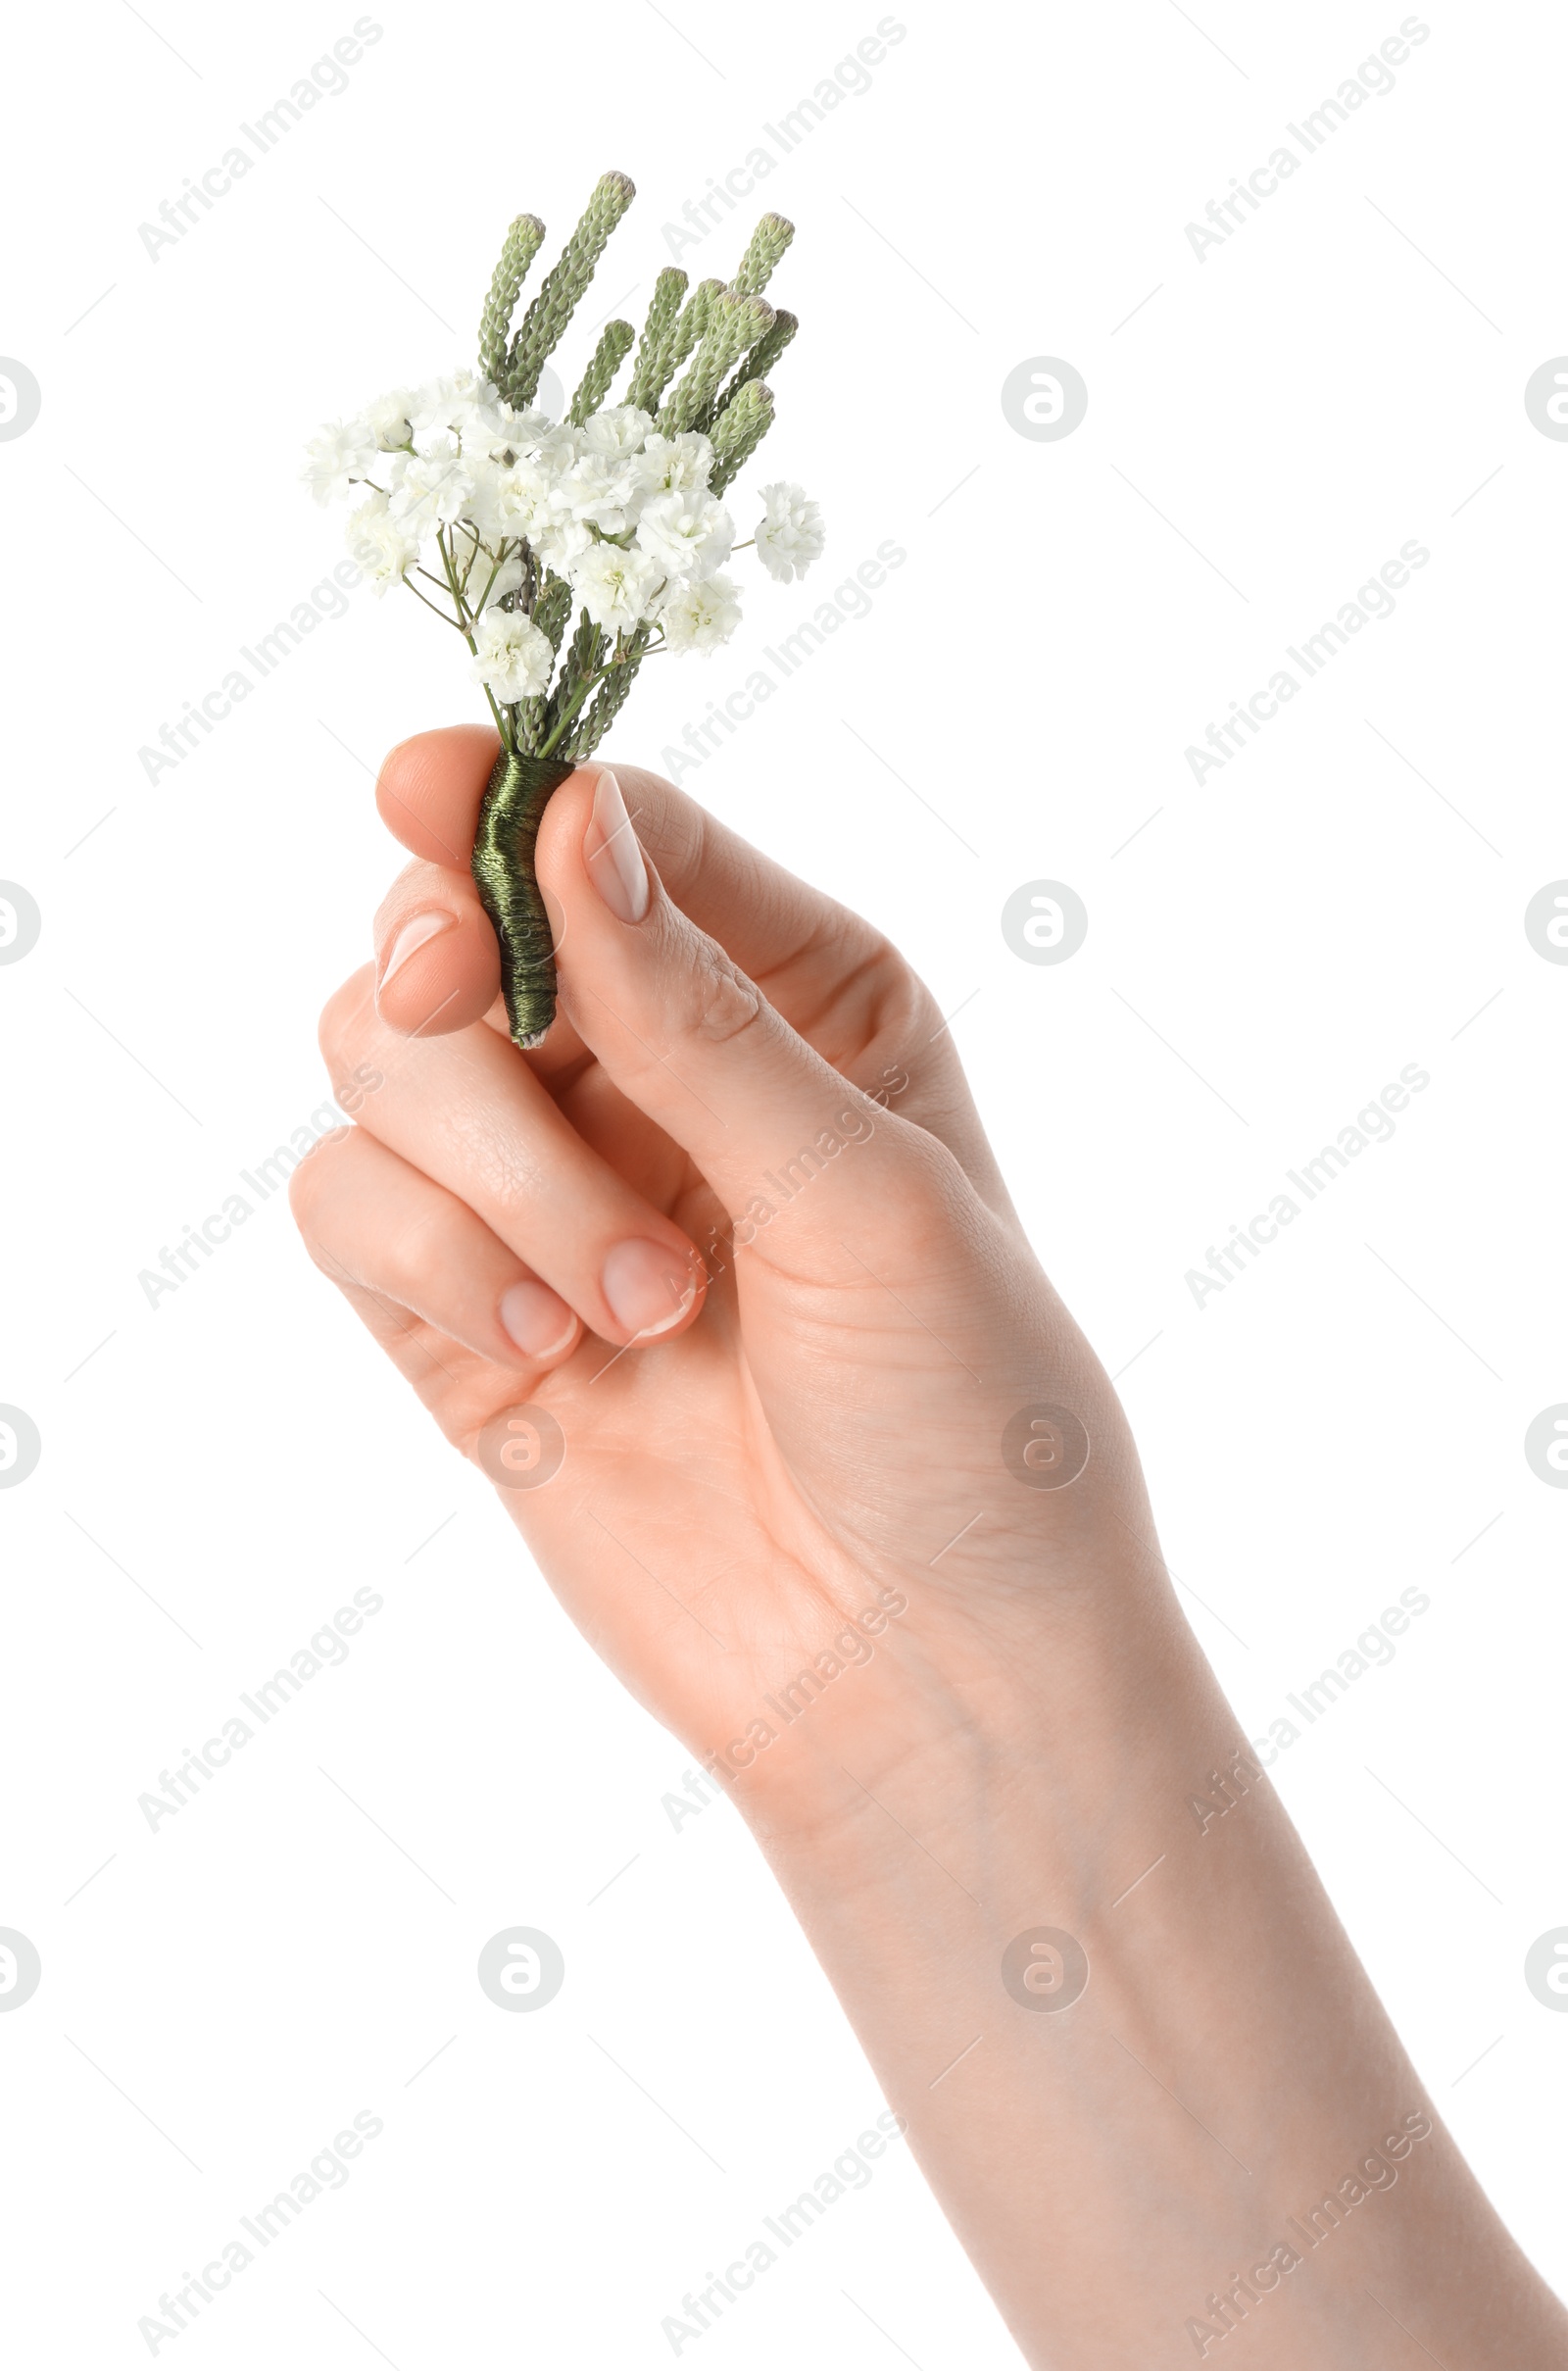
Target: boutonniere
[567, 553]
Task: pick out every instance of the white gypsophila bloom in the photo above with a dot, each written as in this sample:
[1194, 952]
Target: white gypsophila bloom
[559, 445]
[513, 659]
[701, 617]
[481, 510]
[378, 545]
[345, 450]
[526, 431]
[689, 533]
[675, 464]
[615, 587]
[390, 419]
[525, 496]
[429, 405]
[790, 533]
[497, 433]
[511, 498]
[480, 427]
[616, 431]
[599, 492]
[439, 403]
[561, 543]
[431, 488]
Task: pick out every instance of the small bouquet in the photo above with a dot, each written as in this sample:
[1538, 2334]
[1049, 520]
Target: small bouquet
[507, 523]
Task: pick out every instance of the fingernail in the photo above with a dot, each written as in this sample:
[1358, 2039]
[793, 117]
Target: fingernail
[649, 1287]
[410, 939]
[613, 858]
[537, 1319]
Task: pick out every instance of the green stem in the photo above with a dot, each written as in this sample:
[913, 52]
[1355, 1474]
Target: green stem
[430, 604]
[572, 706]
[453, 587]
[505, 725]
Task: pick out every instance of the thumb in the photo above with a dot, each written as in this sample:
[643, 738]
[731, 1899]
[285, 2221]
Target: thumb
[692, 1041]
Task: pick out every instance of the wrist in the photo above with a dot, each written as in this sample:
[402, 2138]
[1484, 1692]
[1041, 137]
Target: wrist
[1072, 1717]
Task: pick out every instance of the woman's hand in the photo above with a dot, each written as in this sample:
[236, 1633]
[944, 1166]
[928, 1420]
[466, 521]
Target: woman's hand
[735, 1228]
[846, 1500]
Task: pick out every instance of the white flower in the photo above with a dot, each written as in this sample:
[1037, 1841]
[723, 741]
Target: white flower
[464, 406]
[430, 489]
[479, 428]
[389, 419]
[478, 514]
[673, 464]
[527, 496]
[559, 446]
[343, 452]
[377, 543]
[430, 401]
[599, 492]
[790, 533]
[561, 543]
[617, 432]
[445, 401]
[615, 587]
[482, 577]
[688, 533]
[700, 616]
[512, 658]
[510, 500]
[526, 431]
[504, 435]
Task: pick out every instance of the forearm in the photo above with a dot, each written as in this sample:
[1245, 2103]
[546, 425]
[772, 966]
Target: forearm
[915, 1622]
[1140, 2172]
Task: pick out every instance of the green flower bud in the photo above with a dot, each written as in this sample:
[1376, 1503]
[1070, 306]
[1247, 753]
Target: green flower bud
[608, 354]
[647, 379]
[522, 243]
[545, 322]
[757, 264]
[739, 431]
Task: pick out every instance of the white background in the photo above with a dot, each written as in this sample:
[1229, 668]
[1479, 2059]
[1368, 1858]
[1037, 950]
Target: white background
[1265, 428]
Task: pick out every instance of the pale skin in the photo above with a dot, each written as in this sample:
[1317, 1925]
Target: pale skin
[801, 1439]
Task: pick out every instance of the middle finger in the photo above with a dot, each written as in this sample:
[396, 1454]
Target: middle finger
[468, 1114]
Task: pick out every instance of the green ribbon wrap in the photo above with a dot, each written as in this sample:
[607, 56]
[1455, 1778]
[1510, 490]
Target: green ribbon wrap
[519, 791]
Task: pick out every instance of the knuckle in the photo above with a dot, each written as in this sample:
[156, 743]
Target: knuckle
[420, 1248]
[719, 1001]
[900, 998]
[917, 1010]
[933, 1193]
[347, 1020]
[879, 988]
[313, 1185]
